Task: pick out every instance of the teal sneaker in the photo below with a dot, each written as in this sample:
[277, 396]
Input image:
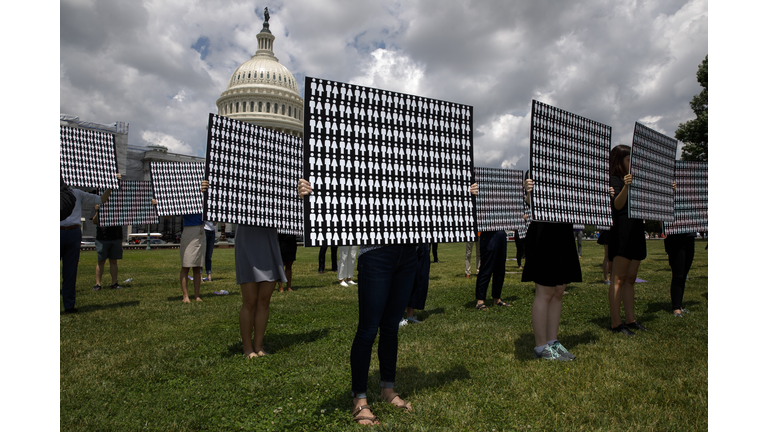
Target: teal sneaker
[557, 346]
[550, 353]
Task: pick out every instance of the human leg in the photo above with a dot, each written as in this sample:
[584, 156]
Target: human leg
[403, 277]
[100, 272]
[467, 258]
[288, 265]
[247, 316]
[485, 273]
[210, 242]
[69, 253]
[321, 259]
[499, 247]
[112, 270]
[196, 280]
[619, 274]
[540, 312]
[553, 312]
[183, 276]
[344, 254]
[606, 265]
[628, 292]
[264, 295]
[334, 254]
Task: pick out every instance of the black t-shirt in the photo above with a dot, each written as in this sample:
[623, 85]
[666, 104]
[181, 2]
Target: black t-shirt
[109, 233]
[617, 183]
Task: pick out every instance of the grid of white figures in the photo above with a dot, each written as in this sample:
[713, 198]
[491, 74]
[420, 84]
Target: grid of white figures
[501, 200]
[252, 173]
[385, 167]
[691, 199]
[87, 158]
[569, 166]
[130, 204]
[652, 165]
[176, 187]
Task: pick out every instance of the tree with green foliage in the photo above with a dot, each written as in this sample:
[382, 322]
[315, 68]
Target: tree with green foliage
[695, 133]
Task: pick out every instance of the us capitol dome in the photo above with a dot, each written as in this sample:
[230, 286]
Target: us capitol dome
[263, 92]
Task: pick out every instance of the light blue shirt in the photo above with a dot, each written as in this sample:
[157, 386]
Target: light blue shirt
[81, 198]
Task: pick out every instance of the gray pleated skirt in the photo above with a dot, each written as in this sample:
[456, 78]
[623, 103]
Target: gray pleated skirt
[257, 255]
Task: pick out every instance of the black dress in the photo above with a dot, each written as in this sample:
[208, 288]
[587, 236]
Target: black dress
[627, 237]
[550, 254]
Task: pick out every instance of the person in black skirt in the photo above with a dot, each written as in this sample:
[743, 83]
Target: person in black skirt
[551, 262]
[604, 238]
[626, 246]
[679, 248]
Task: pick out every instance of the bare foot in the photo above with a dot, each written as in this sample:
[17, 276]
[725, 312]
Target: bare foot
[280, 289]
[289, 289]
[251, 355]
[198, 299]
[262, 353]
[185, 300]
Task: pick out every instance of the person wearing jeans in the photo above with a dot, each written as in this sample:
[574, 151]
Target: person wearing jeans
[210, 242]
[493, 250]
[386, 276]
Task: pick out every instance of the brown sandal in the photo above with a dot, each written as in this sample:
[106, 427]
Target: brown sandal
[358, 418]
[406, 405]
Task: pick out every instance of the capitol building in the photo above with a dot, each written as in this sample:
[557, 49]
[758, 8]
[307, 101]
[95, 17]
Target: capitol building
[263, 92]
[260, 91]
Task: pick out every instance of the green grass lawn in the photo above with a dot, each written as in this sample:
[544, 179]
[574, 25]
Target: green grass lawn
[139, 358]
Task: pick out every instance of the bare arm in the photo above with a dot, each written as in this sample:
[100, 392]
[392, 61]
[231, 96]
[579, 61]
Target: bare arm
[621, 198]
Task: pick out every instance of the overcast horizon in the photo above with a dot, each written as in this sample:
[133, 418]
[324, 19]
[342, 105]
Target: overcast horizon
[161, 66]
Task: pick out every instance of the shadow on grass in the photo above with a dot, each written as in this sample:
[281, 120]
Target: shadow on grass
[427, 313]
[202, 295]
[705, 295]
[92, 308]
[410, 381]
[525, 343]
[276, 342]
[654, 307]
[490, 303]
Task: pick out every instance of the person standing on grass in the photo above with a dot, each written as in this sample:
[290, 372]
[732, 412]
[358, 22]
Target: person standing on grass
[493, 251]
[551, 263]
[347, 256]
[418, 298]
[288, 254]
[626, 247]
[603, 239]
[109, 246]
[258, 267]
[386, 275]
[468, 257]
[70, 236]
[519, 249]
[679, 249]
[321, 259]
[577, 235]
[434, 252]
[192, 251]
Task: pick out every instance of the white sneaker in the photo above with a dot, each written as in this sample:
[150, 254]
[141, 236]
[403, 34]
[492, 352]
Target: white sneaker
[352, 282]
[344, 284]
[403, 322]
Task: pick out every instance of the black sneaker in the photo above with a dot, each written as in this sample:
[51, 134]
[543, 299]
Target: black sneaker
[116, 286]
[621, 328]
[637, 326]
[96, 287]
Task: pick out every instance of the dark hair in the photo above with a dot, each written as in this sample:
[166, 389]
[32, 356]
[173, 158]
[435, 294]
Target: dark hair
[618, 154]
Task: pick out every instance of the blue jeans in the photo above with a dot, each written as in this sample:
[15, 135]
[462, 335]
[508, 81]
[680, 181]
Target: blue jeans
[385, 278]
[69, 253]
[493, 250]
[210, 241]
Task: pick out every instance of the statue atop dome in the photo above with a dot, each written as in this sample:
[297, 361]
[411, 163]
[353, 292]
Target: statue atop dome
[266, 15]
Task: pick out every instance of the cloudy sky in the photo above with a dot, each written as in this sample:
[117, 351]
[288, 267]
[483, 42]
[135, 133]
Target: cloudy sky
[161, 65]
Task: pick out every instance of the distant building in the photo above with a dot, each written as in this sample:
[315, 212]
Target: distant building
[263, 92]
